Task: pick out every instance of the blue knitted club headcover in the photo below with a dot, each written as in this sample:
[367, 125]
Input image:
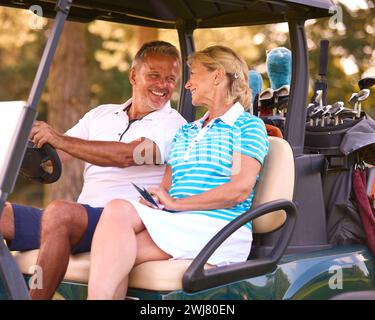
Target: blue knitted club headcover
[279, 67]
[255, 83]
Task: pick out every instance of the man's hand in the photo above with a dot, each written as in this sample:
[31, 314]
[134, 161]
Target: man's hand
[42, 133]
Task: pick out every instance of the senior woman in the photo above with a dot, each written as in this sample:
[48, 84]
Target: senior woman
[209, 179]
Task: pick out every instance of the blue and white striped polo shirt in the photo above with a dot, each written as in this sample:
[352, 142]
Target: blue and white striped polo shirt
[201, 158]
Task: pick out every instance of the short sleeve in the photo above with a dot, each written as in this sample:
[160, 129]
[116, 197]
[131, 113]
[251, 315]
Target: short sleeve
[163, 133]
[81, 129]
[251, 139]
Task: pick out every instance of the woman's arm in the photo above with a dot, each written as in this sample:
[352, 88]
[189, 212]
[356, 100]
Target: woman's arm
[237, 190]
[167, 178]
[165, 185]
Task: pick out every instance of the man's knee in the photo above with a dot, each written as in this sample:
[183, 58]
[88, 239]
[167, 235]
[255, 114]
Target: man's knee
[7, 222]
[64, 217]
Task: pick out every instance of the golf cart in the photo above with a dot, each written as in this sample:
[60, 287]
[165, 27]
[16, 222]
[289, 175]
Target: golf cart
[291, 256]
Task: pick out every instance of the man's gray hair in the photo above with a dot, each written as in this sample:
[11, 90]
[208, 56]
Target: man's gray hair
[158, 47]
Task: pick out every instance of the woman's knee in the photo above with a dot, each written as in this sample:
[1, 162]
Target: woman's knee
[120, 211]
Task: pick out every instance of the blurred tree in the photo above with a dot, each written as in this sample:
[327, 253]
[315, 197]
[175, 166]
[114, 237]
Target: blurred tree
[20, 48]
[144, 34]
[20, 51]
[112, 47]
[69, 99]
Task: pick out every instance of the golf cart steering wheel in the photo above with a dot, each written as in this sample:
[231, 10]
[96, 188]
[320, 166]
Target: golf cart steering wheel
[34, 164]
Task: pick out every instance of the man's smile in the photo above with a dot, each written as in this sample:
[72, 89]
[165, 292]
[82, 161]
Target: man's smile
[158, 93]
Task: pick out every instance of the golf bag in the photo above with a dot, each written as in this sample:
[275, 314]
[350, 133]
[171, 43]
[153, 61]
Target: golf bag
[346, 148]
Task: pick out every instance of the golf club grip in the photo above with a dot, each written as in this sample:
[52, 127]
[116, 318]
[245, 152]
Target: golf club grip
[323, 58]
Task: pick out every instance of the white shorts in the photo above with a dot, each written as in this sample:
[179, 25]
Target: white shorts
[183, 235]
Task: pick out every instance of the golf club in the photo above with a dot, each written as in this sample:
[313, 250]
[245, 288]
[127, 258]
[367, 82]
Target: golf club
[336, 108]
[324, 115]
[366, 83]
[361, 96]
[345, 113]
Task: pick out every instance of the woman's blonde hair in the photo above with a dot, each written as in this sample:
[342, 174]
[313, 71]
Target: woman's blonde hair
[236, 69]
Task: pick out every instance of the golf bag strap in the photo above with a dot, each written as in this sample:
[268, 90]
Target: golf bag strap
[364, 208]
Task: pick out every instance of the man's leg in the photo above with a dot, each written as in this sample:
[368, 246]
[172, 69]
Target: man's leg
[63, 225]
[20, 226]
[7, 222]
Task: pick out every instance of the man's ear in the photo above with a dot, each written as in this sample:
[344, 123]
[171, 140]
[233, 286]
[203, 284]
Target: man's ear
[132, 76]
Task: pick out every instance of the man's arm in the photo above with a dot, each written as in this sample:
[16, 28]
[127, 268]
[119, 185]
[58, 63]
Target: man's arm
[112, 154]
[100, 153]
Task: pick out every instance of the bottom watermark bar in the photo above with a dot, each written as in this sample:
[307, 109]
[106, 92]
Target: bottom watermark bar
[188, 309]
[172, 309]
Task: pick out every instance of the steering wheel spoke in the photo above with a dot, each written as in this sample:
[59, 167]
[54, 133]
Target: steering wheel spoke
[35, 165]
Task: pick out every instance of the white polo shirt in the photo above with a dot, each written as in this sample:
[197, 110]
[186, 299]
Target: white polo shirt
[110, 122]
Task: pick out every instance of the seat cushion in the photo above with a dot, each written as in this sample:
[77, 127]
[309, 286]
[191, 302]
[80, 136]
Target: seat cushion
[276, 182]
[78, 268]
[164, 275]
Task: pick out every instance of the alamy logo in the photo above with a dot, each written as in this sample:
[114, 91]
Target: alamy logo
[336, 280]
[36, 280]
[36, 19]
[337, 17]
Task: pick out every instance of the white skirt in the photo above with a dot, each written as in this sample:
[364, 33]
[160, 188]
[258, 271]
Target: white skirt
[183, 235]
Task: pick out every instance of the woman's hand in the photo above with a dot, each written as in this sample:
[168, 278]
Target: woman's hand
[149, 204]
[162, 196]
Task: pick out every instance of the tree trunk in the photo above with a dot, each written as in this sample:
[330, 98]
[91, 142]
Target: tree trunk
[145, 34]
[69, 99]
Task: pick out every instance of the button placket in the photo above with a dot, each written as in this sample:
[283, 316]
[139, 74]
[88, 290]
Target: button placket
[199, 136]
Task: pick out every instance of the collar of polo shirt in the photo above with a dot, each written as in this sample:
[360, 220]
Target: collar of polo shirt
[228, 117]
[152, 115]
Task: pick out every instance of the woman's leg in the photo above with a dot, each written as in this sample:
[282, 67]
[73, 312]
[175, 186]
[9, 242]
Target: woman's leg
[115, 250]
[147, 250]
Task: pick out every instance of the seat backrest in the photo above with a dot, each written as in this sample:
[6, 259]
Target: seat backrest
[276, 182]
